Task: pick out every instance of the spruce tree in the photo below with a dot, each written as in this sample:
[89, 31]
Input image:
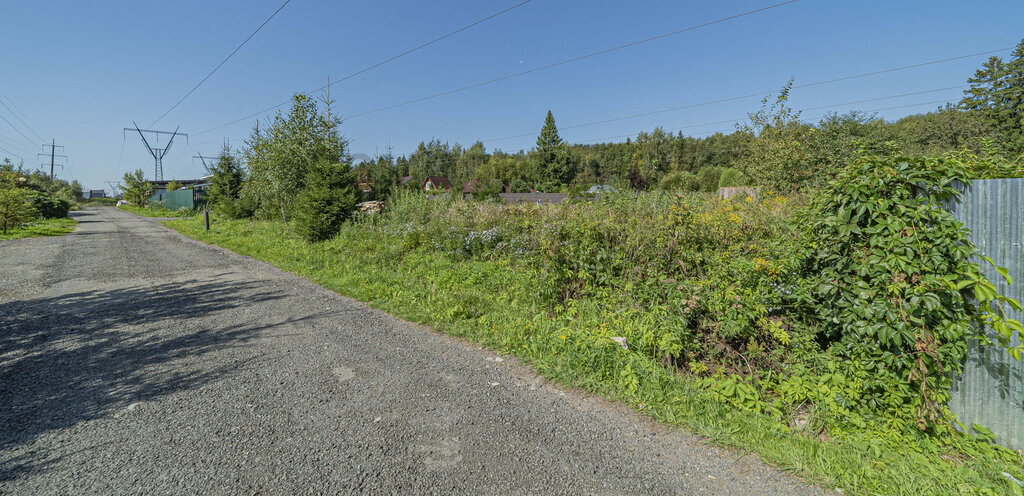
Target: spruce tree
[997, 93]
[556, 161]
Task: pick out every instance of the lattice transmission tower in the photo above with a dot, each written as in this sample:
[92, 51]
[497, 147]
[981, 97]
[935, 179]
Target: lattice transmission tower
[157, 153]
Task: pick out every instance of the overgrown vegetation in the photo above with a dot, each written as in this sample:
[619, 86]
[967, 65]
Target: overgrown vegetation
[694, 310]
[29, 196]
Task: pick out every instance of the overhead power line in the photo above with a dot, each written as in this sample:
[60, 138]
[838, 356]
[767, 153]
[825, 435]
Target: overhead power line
[374, 66]
[15, 155]
[15, 114]
[575, 59]
[762, 93]
[27, 139]
[222, 62]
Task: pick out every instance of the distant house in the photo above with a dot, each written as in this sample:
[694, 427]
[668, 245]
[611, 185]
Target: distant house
[97, 193]
[435, 183]
[471, 187]
[402, 181]
[365, 187]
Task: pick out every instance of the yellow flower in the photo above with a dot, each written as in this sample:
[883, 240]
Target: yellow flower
[563, 337]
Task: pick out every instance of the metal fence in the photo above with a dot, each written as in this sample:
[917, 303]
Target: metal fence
[990, 391]
[176, 200]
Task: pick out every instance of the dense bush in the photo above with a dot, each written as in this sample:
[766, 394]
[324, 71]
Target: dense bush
[15, 207]
[679, 180]
[327, 202]
[895, 286]
[731, 178]
[50, 206]
[708, 178]
[768, 290]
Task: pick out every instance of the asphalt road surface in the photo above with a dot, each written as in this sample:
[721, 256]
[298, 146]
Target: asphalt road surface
[134, 360]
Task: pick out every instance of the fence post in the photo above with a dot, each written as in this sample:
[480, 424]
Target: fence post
[206, 219]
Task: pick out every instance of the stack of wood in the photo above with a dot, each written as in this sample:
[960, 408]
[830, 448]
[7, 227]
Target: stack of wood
[370, 207]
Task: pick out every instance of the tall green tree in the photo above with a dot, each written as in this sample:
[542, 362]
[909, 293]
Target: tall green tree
[776, 154]
[225, 190]
[327, 202]
[280, 155]
[556, 161]
[135, 189]
[997, 92]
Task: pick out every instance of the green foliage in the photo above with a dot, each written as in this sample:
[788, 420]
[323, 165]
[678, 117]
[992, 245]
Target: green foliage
[173, 185]
[518, 186]
[556, 161]
[224, 194]
[50, 206]
[708, 178]
[730, 178]
[997, 94]
[75, 189]
[776, 153]
[413, 262]
[135, 189]
[15, 207]
[280, 156]
[487, 189]
[679, 180]
[327, 202]
[894, 285]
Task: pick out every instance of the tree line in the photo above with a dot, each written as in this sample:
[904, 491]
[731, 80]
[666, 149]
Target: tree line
[298, 164]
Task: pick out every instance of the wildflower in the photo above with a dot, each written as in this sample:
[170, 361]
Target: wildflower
[563, 337]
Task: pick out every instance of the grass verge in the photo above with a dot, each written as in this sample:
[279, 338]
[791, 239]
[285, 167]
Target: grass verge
[495, 303]
[41, 227]
[154, 211]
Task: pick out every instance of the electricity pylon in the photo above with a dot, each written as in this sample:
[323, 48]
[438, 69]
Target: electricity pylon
[157, 153]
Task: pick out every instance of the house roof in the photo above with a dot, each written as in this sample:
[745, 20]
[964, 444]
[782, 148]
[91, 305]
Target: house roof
[439, 182]
[470, 186]
[404, 179]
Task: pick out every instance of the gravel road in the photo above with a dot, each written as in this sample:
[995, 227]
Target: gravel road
[134, 360]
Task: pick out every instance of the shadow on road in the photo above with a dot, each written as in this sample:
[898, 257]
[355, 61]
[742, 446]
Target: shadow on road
[90, 354]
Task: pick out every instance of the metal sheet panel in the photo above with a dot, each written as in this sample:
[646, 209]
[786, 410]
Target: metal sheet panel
[990, 391]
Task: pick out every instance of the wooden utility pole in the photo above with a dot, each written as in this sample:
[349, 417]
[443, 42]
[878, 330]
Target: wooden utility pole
[53, 155]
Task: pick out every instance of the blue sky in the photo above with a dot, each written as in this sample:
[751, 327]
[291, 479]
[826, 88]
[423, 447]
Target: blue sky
[82, 71]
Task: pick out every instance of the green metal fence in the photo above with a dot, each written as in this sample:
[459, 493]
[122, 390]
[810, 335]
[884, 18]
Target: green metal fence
[176, 200]
[990, 391]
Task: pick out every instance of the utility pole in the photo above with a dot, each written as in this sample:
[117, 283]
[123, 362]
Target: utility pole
[157, 153]
[53, 149]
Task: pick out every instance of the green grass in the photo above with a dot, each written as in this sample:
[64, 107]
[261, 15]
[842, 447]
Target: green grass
[494, 303]
[41, 227]
[154, 211]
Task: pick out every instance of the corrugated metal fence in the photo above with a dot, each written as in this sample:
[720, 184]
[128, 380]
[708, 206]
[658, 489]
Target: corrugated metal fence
[176, 200]
[990, 391]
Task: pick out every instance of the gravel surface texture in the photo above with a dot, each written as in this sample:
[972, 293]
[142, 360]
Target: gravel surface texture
[134, 360]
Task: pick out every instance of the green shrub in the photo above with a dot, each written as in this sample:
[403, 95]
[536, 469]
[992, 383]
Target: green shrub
[731, 178]
[894, 284]
[50, 206]
[16, 207]
[679, 180]
[708, 177]
[518, 186]
[235, 208]
[328, 200]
